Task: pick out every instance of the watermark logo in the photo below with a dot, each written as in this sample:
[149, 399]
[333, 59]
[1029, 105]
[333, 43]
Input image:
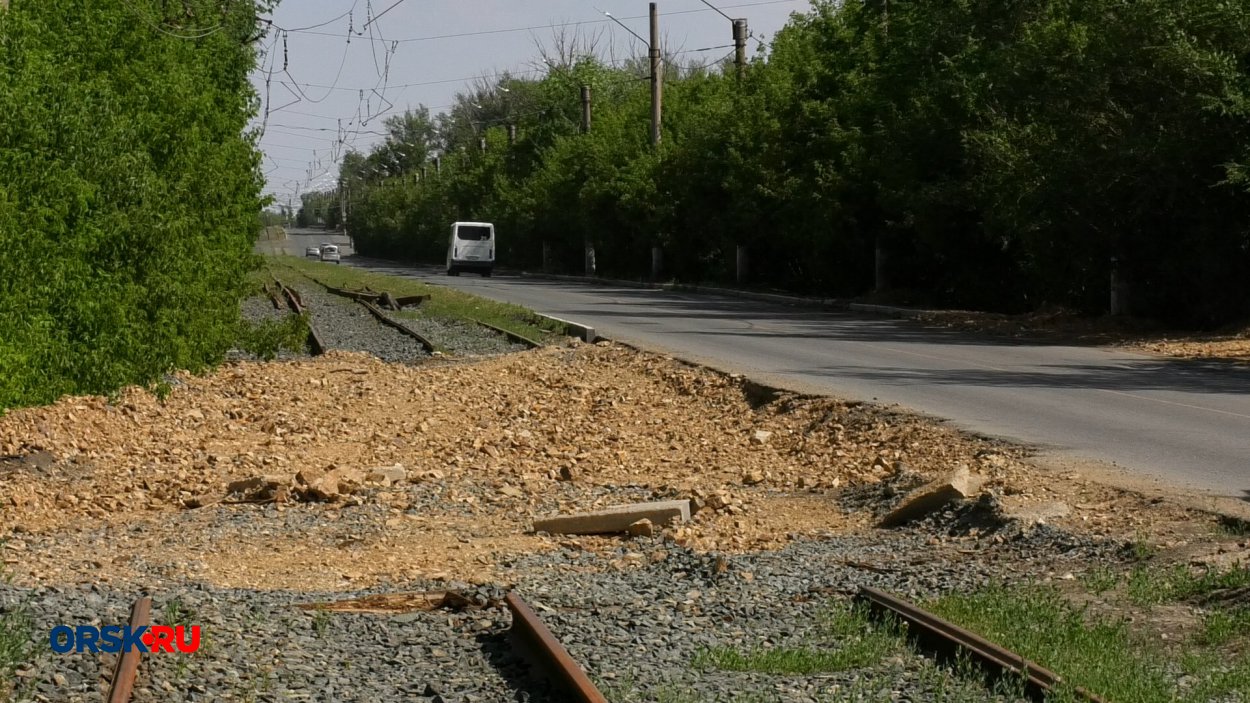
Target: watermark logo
[113, 639]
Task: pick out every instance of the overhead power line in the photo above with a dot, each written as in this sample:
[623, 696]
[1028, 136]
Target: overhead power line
[485, 32]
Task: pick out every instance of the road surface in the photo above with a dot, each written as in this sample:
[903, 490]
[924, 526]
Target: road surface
[1183, 421]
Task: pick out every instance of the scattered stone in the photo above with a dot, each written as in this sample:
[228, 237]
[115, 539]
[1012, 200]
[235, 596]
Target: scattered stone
[1032, 513]
[641, 528]
[960, 485]
[387, 475]
[761, 436]
[568, 473]
[616, 519]
[256, 485]
[752, 478]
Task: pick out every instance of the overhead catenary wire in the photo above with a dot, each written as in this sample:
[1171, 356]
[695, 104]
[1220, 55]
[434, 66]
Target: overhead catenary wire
[531, 28]
[348, 131]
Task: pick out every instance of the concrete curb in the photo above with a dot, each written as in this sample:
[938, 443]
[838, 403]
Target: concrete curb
[586, 333]
[687, 288]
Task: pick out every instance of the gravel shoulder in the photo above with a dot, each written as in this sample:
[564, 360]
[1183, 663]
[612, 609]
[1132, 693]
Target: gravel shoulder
[105, 500]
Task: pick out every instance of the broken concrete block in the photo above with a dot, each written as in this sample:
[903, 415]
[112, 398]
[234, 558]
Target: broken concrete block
[387, 475]
[960, 485]
[761, 436]
[616, 519]
[642, 528]
[256, 484]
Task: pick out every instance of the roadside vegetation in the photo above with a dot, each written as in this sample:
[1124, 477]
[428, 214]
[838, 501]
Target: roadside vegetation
[998, 156]
[1110, 646]
[444, 303]
[129, 191]
[16, 636]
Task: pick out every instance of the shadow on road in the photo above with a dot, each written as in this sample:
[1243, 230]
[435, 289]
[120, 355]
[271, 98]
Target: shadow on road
[745, 318]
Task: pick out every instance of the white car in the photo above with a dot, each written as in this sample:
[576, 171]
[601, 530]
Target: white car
[313, 251]
[329, 252]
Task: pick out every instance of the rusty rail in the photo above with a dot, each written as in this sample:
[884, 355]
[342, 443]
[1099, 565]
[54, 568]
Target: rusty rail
[382, 317]
[315, 343]
[128, 663]
[366, 296]
[946, 637]
[532, 638]
[512, 336]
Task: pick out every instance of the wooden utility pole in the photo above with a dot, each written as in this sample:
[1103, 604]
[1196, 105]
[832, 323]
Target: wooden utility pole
[585, 109]
[740, 45]
[657, 76]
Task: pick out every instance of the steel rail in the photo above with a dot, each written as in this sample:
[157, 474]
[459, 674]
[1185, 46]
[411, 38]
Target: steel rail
[392, 301]
[384, 319]
[942, 635]
[127, 667]
[531, 637]
[512, 336]
[314, 339]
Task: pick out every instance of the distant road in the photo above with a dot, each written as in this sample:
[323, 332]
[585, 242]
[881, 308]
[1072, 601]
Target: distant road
[1187, 422]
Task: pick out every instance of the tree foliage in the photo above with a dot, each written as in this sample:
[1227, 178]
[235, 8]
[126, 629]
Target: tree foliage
[993, 154]
[128, 191]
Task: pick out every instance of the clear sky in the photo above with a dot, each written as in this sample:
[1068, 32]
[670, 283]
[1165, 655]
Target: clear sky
[403, 58]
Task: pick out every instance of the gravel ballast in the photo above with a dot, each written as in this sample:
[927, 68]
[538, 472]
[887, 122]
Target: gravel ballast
[635, 617]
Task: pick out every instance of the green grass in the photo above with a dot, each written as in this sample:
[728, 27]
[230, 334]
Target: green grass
[1153, 585]
[444, 303]
[849, 640]
[1100, 654]
[1220, 627]
[1233, 526]
[16, 633]
[1100, 580]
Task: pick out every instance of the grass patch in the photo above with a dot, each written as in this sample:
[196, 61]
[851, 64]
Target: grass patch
[16, 632]
[444, 303]
[1099, 654]
[265, 339]
[1233, 526]
[1219, 627]
[1152, 586]
[853, 642]
[1100, 580]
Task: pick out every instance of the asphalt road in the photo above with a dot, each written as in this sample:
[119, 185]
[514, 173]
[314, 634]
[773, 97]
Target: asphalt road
[1185, 422]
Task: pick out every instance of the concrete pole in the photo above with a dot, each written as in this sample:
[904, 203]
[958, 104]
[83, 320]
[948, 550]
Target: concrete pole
[742, 265]
[657, 76]
[740, 45]
[511, 135]
[585, 109]
[657, 262]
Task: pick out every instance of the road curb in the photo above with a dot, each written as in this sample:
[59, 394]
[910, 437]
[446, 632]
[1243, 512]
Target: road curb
[586, 333]
[688, 288]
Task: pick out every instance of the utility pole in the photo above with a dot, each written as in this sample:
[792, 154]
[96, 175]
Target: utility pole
[657, 76]
[438, 165]
[657, 102]
[481, 142]
[740, 45]
[585, 109]
[511, 135]
[740, 59]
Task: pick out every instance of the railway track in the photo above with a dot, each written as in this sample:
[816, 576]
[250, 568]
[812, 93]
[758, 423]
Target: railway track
[529, 637]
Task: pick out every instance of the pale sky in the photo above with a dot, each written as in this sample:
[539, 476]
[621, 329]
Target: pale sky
[306, 101]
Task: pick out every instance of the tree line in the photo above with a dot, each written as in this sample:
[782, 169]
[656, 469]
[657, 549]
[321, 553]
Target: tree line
[129, 190]
[974, 153]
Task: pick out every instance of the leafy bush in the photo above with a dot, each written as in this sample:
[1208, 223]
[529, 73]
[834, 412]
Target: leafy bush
[128, 190]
